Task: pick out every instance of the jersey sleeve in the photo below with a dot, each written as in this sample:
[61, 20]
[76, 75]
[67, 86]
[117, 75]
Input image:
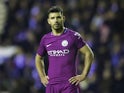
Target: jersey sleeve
[79, 42]
[41, 49]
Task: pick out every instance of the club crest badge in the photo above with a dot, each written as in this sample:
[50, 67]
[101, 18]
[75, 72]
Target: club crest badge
[64, 43]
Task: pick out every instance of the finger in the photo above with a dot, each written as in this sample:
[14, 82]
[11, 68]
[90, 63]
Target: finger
[77, 83]
[72, 78]
[44, 84]
[47, 81]
[74, 82]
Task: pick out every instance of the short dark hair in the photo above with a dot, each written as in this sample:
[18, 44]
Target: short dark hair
[55, 9]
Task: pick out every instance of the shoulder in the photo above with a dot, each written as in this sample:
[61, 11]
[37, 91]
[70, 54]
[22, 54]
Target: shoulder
[74, 33]
[44, 38]
[46, 35]
[70, 31]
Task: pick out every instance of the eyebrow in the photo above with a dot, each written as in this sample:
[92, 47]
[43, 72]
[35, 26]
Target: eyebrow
[56, 16]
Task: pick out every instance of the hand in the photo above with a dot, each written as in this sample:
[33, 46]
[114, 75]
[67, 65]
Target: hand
[77, 79]
[44, 80]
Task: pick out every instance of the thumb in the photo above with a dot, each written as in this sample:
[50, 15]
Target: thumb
[47, 77]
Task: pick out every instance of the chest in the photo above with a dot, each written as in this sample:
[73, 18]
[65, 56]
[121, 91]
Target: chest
[59, 43]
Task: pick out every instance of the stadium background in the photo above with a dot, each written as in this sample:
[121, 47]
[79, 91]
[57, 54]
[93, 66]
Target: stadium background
[23, 23]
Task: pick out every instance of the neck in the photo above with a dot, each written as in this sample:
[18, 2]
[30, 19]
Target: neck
[58, 31]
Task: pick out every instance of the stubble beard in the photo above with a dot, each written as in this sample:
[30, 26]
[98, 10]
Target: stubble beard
[58, 29]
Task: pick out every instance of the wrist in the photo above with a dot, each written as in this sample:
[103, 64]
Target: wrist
[84, 75]
[41, 76]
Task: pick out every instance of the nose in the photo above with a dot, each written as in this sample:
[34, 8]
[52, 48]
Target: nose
[56, 20]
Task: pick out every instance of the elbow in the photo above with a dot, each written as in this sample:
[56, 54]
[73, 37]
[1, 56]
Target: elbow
[37, 58]
[90, 55]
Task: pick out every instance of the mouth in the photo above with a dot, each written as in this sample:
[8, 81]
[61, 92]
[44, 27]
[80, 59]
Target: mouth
[56, 25]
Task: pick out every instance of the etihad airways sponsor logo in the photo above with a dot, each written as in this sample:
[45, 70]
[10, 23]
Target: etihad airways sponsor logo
[58, 52]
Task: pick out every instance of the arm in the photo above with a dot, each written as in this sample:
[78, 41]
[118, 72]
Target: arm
[41, 69]
[88, 58]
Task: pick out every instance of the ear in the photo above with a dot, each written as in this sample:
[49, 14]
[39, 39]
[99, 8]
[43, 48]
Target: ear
[48, 21]
[64, 18]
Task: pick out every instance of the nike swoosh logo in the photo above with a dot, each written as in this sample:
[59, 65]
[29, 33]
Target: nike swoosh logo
[48, 45]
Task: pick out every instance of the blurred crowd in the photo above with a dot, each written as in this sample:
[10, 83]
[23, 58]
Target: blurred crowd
[100, 22]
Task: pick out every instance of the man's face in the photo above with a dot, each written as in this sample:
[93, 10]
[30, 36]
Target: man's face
[56, 20]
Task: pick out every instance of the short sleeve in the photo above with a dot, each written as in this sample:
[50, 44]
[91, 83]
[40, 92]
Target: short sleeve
[41, 49]
[79, 42]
